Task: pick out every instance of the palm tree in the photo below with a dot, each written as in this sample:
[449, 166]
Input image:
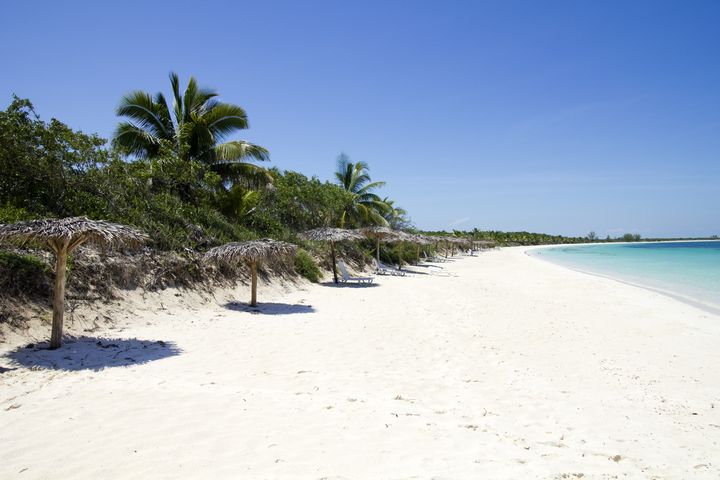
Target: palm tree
[195, 130]
[366, 207]
[396, 217]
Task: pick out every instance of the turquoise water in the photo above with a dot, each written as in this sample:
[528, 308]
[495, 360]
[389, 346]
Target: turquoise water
[686, 270]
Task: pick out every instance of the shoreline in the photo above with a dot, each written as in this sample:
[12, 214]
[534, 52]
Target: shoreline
[700, 304]
[496, 367]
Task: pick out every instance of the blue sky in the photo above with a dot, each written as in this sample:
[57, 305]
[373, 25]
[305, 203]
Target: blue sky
[553, 116]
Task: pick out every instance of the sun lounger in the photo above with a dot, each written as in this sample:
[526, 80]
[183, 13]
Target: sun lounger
[346, 278]
[382, 269]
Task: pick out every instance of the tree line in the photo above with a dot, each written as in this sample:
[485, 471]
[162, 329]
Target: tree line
[170, 171]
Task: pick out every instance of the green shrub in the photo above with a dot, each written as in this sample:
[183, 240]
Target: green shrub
[306, 266]
[24, 274]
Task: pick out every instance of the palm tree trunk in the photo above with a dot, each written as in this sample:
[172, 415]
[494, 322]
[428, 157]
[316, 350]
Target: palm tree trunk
[332, 252]
[253, 284]
[59, 294]
[377, 248]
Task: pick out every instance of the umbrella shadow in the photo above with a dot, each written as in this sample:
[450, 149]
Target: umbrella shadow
[349, 285]
[412, 271]
[93, 353]
[270, 308]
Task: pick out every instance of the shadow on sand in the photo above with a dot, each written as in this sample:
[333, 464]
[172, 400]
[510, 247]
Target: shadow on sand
[270, 308]
[349, 285]
[93, 353]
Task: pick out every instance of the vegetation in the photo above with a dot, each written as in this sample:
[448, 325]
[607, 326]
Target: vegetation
[306, 266]
[173, 171]
[365, 207]
[22, 274]
[194, 130]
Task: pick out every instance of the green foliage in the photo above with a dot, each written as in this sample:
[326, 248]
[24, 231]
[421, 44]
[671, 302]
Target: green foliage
[296, 203]
[366, 207]
[630, 237]
[306, 266]
[23, 274]
[194, 130]
[53, 171]
[42, 164]
[515, 238]
[400, 253]
[24, 264]
[396, 217]
[12, 214]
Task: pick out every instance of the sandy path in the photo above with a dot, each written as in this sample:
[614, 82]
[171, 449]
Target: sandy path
[502, 367]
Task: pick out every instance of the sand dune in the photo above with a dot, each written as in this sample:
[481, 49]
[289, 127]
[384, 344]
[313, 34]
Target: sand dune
[497, 366]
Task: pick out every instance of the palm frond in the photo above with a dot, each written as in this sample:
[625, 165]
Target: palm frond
[238, 150]
[225, 118]
[163, 110]
[365, 189]
[135, 140]
[249, 174]
[177, 99]
[144, 112]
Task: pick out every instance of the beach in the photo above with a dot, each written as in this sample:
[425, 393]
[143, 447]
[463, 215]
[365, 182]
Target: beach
[495, 366]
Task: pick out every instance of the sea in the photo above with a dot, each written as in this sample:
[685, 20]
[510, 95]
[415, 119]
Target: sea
[686, 270]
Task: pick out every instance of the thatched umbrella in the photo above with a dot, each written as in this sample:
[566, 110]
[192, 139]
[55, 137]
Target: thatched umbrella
[419, 240]
[457, 242]
[332, 235]
[251, 253]
[483, 243]
[378, 233]
[62, 237]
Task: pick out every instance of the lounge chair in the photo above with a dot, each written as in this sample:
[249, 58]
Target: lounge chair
[346, 278]
[382, 269]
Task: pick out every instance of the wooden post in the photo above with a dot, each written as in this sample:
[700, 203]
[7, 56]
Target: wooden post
[253, 284]
[61, 255]
[332, 251]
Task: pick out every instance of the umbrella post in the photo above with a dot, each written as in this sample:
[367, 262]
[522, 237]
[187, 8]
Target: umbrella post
[334, 269]
[253, 284]
[61, 254]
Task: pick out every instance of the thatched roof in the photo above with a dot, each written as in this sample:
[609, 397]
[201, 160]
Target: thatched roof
[422, 239]
[460, 241]
[251, 251]
[484, 242]
[378, 232]
[74, 230]
[328, 234]
[388, 234]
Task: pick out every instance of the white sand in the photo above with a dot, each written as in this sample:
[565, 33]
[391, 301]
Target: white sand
[502, 367]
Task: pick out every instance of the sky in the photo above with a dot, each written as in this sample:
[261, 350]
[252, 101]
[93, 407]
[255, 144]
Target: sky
[559, 117]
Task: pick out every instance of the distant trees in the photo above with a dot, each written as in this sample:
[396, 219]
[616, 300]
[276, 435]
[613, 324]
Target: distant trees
[518, 238]
[592, 236]
[631, 237]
